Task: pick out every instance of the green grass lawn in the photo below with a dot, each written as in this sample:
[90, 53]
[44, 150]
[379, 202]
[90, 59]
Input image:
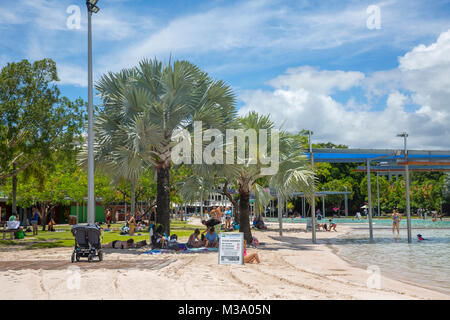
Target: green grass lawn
[62, 237]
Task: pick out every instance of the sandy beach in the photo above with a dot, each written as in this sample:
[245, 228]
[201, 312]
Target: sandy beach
[291, 268]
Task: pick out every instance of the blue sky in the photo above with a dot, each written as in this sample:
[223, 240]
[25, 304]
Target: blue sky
[310, 64]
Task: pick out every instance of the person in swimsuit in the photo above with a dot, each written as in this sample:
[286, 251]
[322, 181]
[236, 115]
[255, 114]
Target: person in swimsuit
[251, 257]
[194, 241]
[131, 225]
[396, 221]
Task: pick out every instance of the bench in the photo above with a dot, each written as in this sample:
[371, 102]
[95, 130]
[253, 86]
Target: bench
[11, 232]
[5, 230]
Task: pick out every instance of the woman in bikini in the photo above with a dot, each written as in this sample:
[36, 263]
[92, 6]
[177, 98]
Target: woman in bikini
[250, 257]
[396, 222]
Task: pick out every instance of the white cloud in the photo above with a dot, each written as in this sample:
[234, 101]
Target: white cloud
[72, 74]
[302, 99]
[317, 81]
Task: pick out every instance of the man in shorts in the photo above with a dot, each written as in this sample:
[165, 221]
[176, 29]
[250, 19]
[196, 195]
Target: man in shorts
[34, 220]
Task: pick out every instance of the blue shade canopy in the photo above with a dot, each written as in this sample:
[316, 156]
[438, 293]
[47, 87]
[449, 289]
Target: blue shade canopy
[376, 155]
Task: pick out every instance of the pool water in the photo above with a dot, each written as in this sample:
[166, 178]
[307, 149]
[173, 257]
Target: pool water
[422, 262]
[415, 223]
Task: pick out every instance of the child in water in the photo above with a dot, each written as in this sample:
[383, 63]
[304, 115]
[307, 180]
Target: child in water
[420, 238]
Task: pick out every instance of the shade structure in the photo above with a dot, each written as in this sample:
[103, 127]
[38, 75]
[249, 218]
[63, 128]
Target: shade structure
[402, 161]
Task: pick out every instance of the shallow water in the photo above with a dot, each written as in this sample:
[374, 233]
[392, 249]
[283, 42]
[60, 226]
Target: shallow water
[421, 262]
[415, 223]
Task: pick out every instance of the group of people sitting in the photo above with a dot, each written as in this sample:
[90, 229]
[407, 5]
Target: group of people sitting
[258, 223]
[327, 227]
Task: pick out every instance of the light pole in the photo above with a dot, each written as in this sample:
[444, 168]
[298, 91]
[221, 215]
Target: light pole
[313, 201]
[346, 201]
[404, 135]
[91, 8]
[369, 196]
[378, 197]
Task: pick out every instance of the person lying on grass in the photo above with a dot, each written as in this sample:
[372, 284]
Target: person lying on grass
[250, 257]
[117, 244]
[194, 241]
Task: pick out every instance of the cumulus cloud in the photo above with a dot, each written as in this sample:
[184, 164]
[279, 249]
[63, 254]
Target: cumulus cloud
[302, 98]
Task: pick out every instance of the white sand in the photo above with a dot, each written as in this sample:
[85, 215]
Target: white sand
[291, 268]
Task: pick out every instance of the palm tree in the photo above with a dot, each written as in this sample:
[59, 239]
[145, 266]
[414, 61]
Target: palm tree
[293, 175]
[145, 105]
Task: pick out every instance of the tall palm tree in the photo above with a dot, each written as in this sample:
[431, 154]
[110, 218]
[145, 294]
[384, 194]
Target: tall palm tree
[293, 175]
[145, 105]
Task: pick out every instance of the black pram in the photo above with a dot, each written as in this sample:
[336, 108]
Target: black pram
[87, 242]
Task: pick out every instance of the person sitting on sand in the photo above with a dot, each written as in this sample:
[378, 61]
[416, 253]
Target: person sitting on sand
[259, 223]
[194, 241]
[212, 239]
[250, 257]
[157, 237]
[331, 225]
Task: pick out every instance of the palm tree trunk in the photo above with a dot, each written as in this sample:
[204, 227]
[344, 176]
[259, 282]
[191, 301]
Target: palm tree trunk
[163, 198]
[14, 193]
[244, 209]
[133, 197]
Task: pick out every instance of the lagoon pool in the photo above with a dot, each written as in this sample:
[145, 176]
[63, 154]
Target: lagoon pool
[415, 223]
[425, 263]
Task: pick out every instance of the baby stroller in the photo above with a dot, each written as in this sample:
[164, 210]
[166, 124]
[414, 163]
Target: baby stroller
[87, 242]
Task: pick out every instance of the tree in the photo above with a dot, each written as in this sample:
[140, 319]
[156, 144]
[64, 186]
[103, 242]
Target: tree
[35, 121]
[144, 106]
[246, 171]
[386, 198]
[338, 185]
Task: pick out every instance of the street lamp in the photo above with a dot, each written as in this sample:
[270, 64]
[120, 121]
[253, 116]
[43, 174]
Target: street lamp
[313, 202]
[404, 135]
[91, 8]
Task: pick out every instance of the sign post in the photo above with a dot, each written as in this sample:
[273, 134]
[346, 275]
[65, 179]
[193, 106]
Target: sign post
[231, 248]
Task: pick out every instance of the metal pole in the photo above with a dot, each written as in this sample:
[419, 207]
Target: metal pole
[303, 206]
[313, 202]
[408, 205]
[323, 205]
[91, 195]
[378, 196]
[346, 202]
[369, 192]
[280, 214]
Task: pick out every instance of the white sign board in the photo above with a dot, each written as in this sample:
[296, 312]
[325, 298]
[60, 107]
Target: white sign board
[231, 248]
